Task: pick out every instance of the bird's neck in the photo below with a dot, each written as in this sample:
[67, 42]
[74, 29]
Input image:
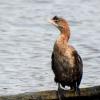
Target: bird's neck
[65, 34]
[62, 40]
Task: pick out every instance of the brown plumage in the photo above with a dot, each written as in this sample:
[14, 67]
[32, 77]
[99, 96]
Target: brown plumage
[66, 62]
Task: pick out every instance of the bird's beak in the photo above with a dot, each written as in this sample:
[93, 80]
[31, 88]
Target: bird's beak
[52, 22]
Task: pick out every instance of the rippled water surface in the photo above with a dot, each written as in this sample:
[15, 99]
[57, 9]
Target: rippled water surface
[26, 42]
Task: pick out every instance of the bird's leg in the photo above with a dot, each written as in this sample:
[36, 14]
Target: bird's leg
[60, 93]
[77, 90]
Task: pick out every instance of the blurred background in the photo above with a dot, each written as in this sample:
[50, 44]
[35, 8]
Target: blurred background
[27, 39]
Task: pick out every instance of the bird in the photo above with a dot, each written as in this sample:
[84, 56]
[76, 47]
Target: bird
[66, 63]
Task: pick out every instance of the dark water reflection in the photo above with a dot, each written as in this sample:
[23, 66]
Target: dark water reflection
[26, 41]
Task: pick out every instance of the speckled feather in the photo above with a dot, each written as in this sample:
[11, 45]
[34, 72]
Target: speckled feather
[67, 70]
[66, 62]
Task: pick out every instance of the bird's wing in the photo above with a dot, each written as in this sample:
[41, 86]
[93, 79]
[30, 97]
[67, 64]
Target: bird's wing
[78, 67]
[78, 61]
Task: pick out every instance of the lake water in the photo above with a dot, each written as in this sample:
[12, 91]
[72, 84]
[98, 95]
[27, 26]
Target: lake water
[26, 42]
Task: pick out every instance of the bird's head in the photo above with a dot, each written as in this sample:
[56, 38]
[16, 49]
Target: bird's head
[60, 23]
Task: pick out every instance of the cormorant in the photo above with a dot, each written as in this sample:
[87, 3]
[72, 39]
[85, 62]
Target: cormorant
[66, 62]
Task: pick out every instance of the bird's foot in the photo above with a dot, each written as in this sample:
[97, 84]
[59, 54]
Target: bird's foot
[77, 92]
[60, 93]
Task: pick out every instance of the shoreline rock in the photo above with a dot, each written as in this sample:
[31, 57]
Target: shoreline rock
[92, 93]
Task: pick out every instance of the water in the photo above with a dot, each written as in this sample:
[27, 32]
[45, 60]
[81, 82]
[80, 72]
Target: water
[26, 42]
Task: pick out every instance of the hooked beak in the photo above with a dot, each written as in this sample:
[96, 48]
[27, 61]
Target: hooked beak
[52, 22]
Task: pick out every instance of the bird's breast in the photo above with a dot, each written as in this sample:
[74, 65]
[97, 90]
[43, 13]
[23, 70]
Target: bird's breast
[70, 57]
[63, 50]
